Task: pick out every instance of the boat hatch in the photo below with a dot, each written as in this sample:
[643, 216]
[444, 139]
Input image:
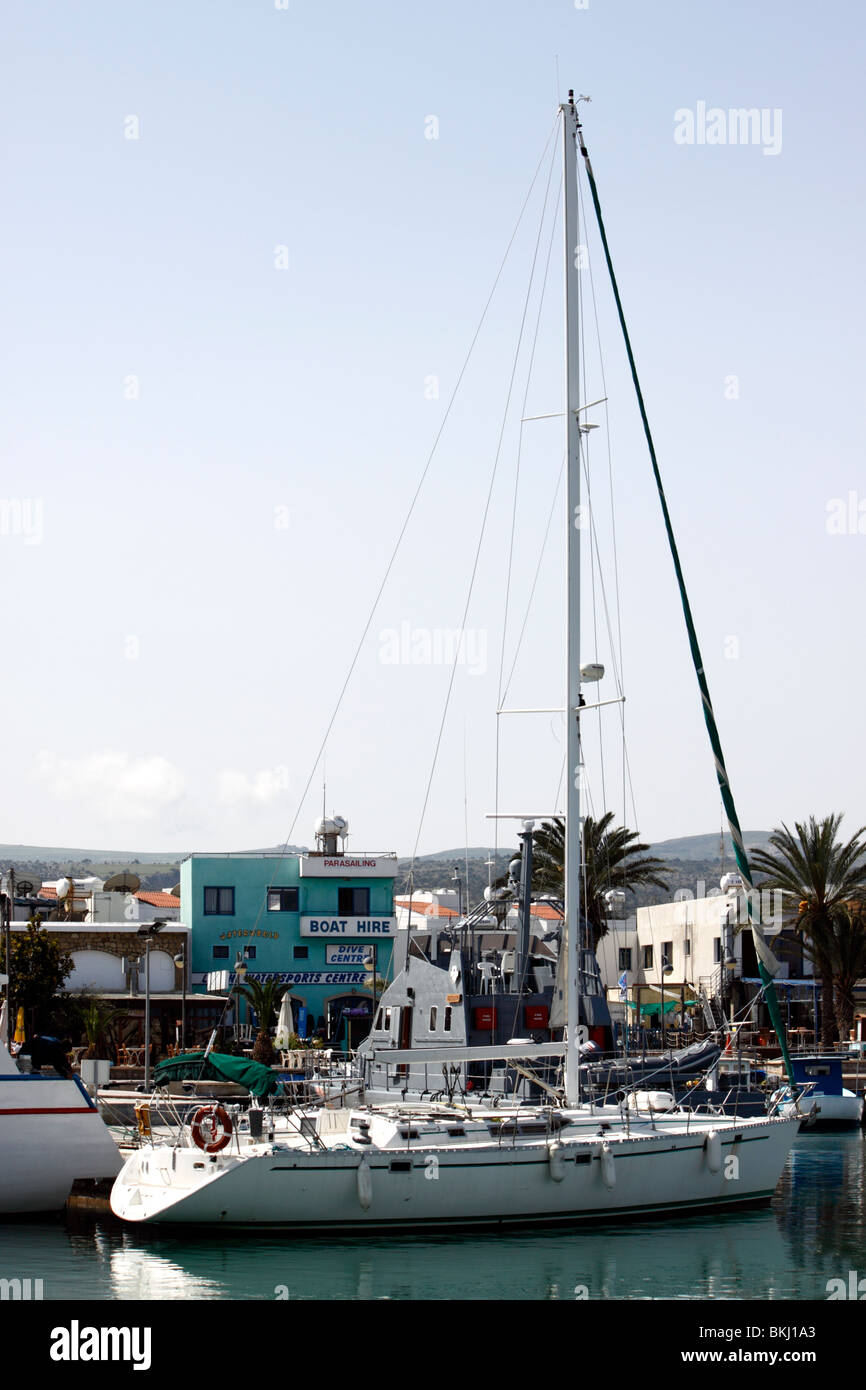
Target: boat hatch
[401, 1165]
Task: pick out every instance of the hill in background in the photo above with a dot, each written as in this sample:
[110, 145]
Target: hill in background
[693, 860]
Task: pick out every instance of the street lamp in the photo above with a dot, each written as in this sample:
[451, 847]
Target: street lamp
[148, 932]
[370, 964]
[180, 959]
[240, 976]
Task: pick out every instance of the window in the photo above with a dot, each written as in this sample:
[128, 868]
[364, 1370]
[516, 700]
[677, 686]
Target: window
[300, 952]
[433, 1015]
[282, 900]
[625, 958]
[353, 902]
[687, 947]
[220, 952]
[219, 902]
[647, 957]
[250, 952]
[667, 953]
[717, 949]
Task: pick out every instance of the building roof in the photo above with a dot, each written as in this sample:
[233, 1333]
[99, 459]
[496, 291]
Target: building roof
[425, 909]
[157, 899]
[546, 911]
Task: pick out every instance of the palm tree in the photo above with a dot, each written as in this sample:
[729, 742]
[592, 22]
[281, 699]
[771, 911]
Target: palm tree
[820, 879]
[612, 857]
[265, 997]
[846, 951]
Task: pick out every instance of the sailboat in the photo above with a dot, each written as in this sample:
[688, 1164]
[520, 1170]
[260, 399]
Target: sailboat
[403, 1166]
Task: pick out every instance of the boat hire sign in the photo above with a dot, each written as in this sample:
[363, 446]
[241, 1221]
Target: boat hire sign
[347, 866]
[333, 928]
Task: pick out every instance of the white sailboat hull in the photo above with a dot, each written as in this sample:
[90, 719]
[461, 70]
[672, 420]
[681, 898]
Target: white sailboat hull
[51, 1134]
[436, 1187]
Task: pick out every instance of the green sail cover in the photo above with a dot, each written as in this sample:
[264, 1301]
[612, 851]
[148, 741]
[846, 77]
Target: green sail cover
[195, 1066]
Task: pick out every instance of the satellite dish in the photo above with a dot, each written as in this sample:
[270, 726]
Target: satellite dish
[175, 891]
[64, 886]
[25, 888]
[125, 882]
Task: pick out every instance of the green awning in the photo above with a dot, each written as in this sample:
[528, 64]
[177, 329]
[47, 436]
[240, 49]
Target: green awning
[660, 1008]
[195, 1066]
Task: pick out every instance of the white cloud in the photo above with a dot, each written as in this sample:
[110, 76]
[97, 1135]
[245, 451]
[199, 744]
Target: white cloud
[113, 783]
[260, 788]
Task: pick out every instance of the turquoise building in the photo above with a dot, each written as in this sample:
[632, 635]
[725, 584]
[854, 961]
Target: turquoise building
[322, 922]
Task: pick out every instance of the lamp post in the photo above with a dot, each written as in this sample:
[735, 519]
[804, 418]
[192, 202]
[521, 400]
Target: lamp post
[180, 959]
[240, 976]
[370, 964]
[148, 932]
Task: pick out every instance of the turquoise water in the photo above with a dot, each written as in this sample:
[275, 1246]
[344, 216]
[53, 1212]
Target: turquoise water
[814, 1231]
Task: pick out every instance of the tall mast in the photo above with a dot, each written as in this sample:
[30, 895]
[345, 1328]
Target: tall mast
[572, 703]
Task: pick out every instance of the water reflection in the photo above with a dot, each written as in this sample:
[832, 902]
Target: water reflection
[813, 1231]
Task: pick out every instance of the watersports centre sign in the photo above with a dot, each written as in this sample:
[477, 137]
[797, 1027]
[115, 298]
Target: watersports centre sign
[222, 981]
[333, 928]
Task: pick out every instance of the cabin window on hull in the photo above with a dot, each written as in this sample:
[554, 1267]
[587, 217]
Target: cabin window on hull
[219, 902]
[447, 1018]
[434, 1014]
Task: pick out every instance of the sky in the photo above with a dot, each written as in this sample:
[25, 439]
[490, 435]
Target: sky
[246, 247]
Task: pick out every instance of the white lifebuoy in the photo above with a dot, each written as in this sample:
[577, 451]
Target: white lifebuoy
[556, 1161]
[713, 1145]
[608, 1169]
[365, 1183]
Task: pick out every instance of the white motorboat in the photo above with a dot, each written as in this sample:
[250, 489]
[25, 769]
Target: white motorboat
[51, 1134]
[824, 1103]
[412, 1167]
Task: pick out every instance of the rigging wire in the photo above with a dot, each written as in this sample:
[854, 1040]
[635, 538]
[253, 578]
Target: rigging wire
[411, 509]
[496, 780]
[482, 529]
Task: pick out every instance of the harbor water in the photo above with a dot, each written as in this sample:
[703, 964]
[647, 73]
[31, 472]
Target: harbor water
[813, 1232]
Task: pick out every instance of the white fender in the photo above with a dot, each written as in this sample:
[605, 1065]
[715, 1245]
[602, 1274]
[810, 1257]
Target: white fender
[713, 1145]
[608, 1171]
[365, 1183]
[556, 1161]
